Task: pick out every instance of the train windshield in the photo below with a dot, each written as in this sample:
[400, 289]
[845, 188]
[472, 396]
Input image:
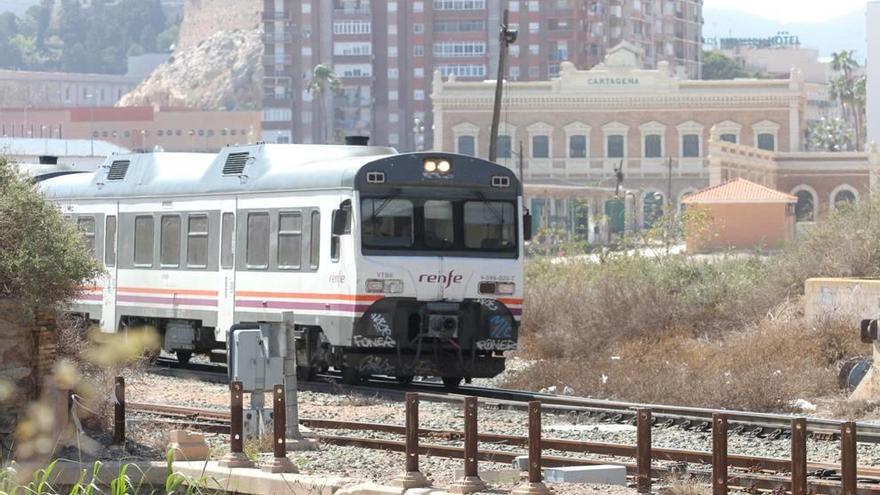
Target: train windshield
[465, 227]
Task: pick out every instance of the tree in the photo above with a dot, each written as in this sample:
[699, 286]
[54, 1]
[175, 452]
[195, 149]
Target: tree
[43, 259]
[849, 92]
[323, 78]
[833, 134]
[719, 66]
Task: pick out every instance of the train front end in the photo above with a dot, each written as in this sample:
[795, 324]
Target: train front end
[440, 239]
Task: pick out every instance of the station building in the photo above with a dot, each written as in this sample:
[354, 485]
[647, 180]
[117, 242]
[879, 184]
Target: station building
[579, 129]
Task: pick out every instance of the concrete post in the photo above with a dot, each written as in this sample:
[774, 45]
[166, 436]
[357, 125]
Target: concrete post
[295, 439]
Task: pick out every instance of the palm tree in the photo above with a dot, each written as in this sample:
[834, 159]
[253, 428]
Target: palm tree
[323, 78]
[845, 90]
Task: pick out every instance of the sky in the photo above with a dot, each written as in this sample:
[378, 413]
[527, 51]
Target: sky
[791, 10]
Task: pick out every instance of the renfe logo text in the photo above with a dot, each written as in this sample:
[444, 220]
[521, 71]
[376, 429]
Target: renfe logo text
[446, 280]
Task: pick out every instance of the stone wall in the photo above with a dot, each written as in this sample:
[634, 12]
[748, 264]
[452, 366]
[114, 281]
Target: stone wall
[27, 353]
[204, 18]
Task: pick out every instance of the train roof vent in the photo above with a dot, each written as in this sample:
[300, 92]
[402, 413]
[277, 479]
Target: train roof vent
[118, 170]
[235, 163]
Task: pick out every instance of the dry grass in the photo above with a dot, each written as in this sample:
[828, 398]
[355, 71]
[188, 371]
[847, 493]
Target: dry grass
[686, 487]
[763, 368]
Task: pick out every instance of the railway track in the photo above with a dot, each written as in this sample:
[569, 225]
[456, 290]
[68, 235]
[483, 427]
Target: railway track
[747, 472]
[760, 425]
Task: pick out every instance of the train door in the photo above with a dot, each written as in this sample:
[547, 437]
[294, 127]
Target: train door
[226, 280]
[109, 319]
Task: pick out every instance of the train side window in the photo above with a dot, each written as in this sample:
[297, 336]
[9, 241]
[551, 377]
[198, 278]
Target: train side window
[257, 249]
[227, 236]
[290, 246]
[87, 226]
[143, 240]
[197, 241]
[169, 238]
[110, 241]
[315, 241]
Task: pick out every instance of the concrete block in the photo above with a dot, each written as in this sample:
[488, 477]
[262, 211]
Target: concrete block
[499, 476]
[187, 446]
[521, 463]
[600, 475]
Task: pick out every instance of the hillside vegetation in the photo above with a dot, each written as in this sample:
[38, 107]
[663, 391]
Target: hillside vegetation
[721, 332]
[63, 35]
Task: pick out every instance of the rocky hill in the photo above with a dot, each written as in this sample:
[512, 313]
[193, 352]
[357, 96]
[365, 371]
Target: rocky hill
[223, 72]
[216, 63]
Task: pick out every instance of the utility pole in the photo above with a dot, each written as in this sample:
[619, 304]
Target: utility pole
[508, 37]
[522, 178]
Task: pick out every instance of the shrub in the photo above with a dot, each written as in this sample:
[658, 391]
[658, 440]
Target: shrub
[43, 260]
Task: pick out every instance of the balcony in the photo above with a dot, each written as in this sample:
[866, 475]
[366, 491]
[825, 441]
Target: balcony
[352, 11]
[276, 37]
[278, 59]
[269, 15]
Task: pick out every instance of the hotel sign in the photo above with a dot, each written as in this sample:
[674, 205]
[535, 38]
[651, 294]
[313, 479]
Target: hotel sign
[781, 40]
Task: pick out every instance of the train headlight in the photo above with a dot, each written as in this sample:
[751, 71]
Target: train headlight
[383, 286]
[505, 288]
[497, 288]
[430, 166]
[444, 166]
[393, 286]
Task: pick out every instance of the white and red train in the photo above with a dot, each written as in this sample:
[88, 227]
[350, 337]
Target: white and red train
[393, 264]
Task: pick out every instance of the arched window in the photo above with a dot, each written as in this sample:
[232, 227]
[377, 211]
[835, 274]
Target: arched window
[805, 209]
[652, 208]
[844, 197]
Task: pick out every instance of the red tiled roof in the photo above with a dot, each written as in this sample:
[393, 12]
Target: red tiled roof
[739, 191]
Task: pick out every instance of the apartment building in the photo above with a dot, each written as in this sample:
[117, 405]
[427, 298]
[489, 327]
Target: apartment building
[386, 51]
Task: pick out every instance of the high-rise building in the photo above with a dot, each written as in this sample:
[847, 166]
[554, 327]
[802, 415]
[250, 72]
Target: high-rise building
[385, 52]
[873, 73]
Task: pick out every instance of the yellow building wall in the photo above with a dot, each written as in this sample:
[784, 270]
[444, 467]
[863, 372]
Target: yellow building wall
[849, 297]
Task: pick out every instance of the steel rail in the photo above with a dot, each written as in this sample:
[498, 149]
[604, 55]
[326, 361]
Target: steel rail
[752, 463]
[619, 411]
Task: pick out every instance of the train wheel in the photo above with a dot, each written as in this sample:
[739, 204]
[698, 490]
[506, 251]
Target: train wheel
[351, 376]
[183, 357]
[306, 373]
[405, 379]
[452, 382]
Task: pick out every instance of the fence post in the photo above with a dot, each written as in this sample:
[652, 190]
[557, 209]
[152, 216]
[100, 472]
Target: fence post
[412, 478]
[236, 457]
[471, 481]
[119, 410]
[535, 484]
[279, 463]
[848, 458]
[799, 456]
[719, 454]
[643, 451]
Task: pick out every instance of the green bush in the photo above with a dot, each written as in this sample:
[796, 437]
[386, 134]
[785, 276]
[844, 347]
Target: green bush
[43, 259]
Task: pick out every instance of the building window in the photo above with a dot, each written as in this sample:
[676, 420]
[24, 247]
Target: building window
[466, 145]
[653, 146]
[505, 146]
[459, 49]
[419, 72]
[419, 95]
[844, 197]
[767, 141]
[459, 4]
[690, 145]
[577, 146]
[461, 70]
[418, 28]
[419, 51]
[533, 6]
[805, 207]
[540, 146]
[393, 73]
[615, 146]
[730, 138]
